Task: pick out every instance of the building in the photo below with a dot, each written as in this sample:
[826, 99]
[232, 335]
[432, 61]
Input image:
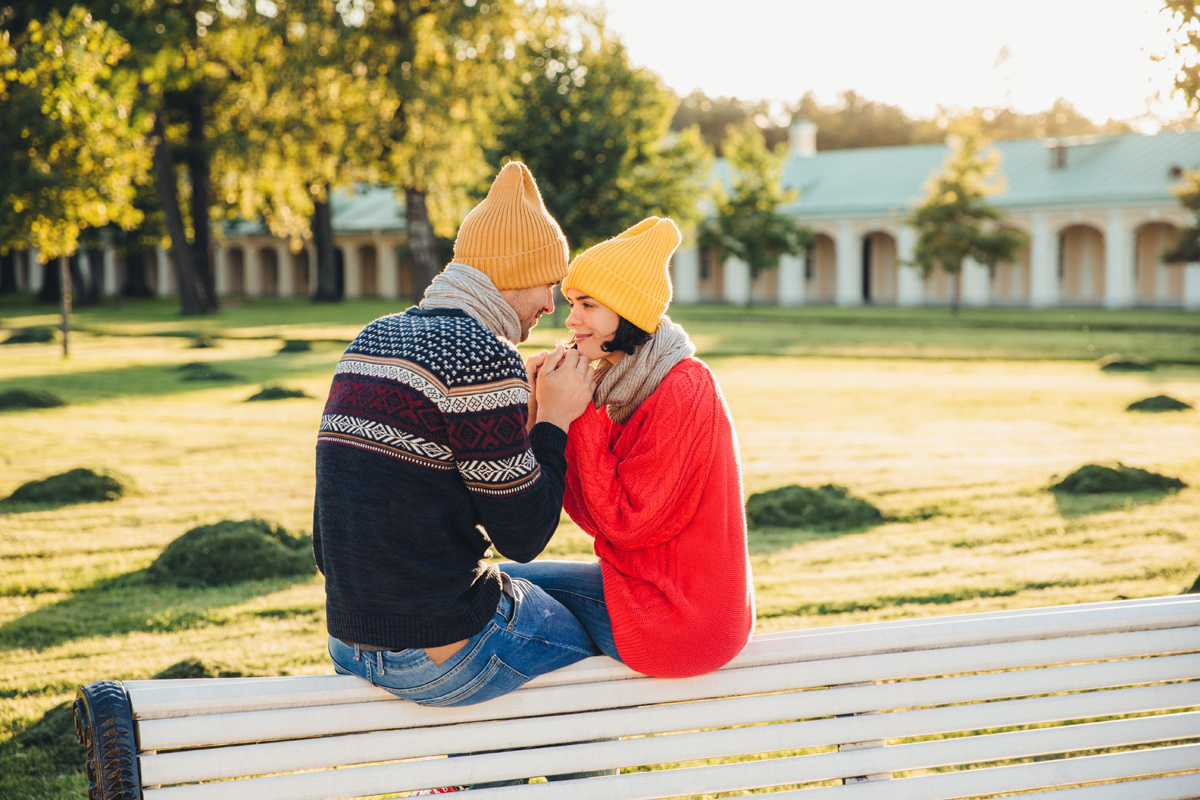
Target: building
[1098, 212]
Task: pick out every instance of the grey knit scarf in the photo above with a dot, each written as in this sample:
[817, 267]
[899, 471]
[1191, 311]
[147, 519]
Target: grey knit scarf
[624, 386]
[469, 290]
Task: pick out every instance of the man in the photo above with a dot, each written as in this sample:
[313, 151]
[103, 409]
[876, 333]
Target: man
[426, 458]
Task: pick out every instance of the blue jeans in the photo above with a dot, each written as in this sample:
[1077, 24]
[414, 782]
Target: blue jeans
[531, 633]
[578, 585]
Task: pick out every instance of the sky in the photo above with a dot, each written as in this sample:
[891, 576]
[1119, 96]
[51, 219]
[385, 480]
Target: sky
[915, 54]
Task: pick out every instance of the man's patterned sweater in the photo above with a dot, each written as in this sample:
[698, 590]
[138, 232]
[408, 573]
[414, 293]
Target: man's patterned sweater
[423, 462]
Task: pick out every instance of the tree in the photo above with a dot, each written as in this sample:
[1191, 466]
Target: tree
[595, 132]
[955, 222]
[73, 147]
[748, 225]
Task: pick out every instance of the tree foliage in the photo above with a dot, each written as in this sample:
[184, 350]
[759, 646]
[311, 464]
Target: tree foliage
[74, 148]
[747, 224]
[955, 222]
[594, 131]
[1186, 17]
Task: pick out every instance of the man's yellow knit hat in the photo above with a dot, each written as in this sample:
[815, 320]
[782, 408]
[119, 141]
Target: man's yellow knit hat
[510, 237]
[629, 273]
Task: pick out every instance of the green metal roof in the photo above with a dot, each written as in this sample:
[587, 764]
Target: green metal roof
[369, 208]
[1100, 170]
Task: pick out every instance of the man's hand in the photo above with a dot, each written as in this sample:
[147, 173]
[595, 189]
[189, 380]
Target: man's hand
[564, 387]
[531, 368]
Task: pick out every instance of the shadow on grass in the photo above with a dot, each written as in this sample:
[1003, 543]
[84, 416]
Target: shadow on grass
[764, 541]
[892, 601]
[1072, 506]
[167, 379]
[130, 603]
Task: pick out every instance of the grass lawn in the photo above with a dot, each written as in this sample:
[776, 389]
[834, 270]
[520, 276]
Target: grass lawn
[952, 426]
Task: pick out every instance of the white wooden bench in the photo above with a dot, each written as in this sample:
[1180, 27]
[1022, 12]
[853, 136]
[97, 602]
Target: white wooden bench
[1081, 699]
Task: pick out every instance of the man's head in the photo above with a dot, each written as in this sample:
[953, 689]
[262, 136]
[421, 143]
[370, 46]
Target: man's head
[511, 238]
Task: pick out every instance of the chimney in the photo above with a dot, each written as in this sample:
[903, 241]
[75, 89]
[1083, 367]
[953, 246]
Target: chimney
[802, 138]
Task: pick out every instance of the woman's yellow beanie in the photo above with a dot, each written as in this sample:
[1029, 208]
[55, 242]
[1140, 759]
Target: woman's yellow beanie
[630, 273]
[510, 236]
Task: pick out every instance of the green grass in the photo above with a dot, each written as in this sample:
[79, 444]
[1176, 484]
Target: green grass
[956, 450]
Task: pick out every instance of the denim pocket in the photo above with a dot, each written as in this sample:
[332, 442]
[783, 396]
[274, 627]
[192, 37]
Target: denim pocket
[497, 678]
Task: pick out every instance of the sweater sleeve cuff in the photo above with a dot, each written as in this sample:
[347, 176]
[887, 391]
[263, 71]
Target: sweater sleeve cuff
[548, 436]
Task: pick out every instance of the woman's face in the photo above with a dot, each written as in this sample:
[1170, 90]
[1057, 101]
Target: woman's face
[592, 323]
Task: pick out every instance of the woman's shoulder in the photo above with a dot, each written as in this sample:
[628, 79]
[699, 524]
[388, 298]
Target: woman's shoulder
[689, 375]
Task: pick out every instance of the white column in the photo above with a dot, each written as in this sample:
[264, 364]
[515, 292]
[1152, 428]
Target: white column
[252, 283]
[221, 267]
[1118, 267]
[1043, 265]
[1191, 286]
[162, 272]
[737, 281]
[386, 264]
[20, 268]
[976, 283]
[285, 285]
[791, 280]
[35, 270]
[85, 271]
[312, 269]
[849, 266]
[910, 286]
[352, 268]
[687, 276]
[110, 270]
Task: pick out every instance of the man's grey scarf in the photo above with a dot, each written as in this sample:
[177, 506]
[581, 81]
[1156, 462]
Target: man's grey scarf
[624, 386]
[469, 290]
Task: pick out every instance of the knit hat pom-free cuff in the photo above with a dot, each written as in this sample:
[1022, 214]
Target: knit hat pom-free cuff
[545, 265]
[630, 301]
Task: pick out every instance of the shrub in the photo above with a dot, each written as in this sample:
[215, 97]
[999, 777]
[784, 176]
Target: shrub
[201, 371]
[201, 342]
[1160, 402]
[75, 486]
[277, 393]
[1115, 362]
[29, 398]
[296, 346]
[233, 551]
[39, 335]
[1098, 479]
[828, 507]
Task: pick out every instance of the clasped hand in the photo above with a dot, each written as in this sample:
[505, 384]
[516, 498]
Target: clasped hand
[561, 387]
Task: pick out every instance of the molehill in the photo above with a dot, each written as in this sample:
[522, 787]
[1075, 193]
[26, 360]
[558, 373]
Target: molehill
[232, 551]
[276, 393]
[202, 371]
[1160, 402]
[79, 485]
[296, 346]
[40, 335]
[15, 399]
[826, 508]
[1099, 479]
[1115, 362]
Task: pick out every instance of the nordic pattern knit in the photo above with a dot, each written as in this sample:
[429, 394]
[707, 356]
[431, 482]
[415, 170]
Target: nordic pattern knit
[662, 496]
[423, 462]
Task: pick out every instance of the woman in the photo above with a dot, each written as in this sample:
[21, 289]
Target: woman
[652, 474]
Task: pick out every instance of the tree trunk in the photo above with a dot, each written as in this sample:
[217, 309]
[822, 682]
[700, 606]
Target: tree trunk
[51, 289]
[956, 298]
[329, 288]
[8, 273]
[198, 169]
[136, 284]
[66, 267]
[420, 241]
[164, 168]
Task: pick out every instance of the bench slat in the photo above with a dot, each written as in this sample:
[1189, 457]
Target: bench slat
[288, 756]
[285, 756]
[166, 734]
[365, 781]
[161, 700]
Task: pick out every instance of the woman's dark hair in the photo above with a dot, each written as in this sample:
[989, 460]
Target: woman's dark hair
[627, 338]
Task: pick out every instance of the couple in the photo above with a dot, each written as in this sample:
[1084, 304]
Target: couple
[437, 444]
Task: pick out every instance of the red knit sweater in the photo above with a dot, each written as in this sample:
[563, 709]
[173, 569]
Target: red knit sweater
[662, 496]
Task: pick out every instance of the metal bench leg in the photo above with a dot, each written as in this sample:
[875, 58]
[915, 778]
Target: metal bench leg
[104, 726]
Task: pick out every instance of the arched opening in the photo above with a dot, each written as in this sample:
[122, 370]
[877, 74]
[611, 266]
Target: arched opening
[404, 276]
[879, 268]
[235, 265]
[1081, 265]
[764, 287]
[1010, 280]
[1156, 282]
[711, 288]
[820, 272]
[300, 273]
[368, 265]
[268, 270]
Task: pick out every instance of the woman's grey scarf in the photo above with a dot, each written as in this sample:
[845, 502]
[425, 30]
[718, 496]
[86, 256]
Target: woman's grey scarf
[469, 290]
[624, 386]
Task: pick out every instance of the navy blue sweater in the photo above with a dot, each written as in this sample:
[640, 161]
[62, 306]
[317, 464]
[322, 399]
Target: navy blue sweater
[423, 463]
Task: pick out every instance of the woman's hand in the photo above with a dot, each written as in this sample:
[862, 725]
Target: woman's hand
[532, 366]
[564, 387]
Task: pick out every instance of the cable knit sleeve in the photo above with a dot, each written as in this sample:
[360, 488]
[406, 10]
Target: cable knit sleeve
[649, 494]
